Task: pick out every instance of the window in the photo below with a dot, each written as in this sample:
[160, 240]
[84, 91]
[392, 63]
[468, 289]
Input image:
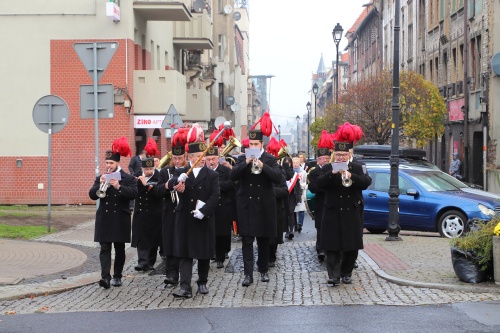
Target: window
[220, 47]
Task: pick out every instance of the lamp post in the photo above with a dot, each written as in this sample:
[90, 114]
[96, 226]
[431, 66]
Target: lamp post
[308, 106]
[315, 92]
[337, 36]
[393, 227]
[279, 132]
[298, 137]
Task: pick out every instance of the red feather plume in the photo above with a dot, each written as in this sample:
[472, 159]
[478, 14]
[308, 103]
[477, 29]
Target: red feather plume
[151, 148]
[349, 133]
[273, 147]
[228, 133]
[266, 125]
[195, 134]
[121, 147]
[283, 143]
[325, 140]
[220, 139]
[180, 137]
[246, 142]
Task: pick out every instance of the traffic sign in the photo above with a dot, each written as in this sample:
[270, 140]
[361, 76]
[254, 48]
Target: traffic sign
[50, 114]
[105, 98]
[96, 56]
[172, 119]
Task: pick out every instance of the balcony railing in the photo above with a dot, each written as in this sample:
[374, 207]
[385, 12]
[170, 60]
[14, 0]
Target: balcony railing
[208, 72]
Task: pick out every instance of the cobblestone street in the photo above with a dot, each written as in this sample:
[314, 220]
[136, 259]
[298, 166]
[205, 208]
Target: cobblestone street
[293, 282]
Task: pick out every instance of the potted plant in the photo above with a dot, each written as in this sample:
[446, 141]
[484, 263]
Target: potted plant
[472, 254]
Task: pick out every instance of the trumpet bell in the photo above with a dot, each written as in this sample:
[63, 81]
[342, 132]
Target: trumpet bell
[101, 192]
[233, 143]
[282, 153]
[165, 160]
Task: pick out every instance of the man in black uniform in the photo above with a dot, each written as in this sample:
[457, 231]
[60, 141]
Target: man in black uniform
[170, 197]
[194, 220]
[146, 227]
[256, 204]
[112, 221]
[323, 154]
[342, 219]
[223, 215]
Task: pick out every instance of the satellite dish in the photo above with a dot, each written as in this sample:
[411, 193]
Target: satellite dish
[198, 6]
[236, 16]
[228, 9]
[219, 121]
[495, 63]
[235, 107]
[230, 100]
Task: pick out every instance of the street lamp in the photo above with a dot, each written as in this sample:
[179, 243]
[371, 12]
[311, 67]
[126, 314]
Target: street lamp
[298, 138]
[308, 106]
[393, 227]
[279, 132]
[337, 36]
[315, 92]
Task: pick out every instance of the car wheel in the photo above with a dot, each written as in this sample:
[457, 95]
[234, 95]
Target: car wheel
[375, 231]
[452, 224]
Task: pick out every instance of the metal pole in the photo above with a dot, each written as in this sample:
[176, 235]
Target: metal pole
[49, 163]
[308, 132]
[298, 138]
[337, 74]
[466, 93]
[393, 227]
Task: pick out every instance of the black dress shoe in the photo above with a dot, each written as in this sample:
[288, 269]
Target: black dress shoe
[202, 289]
[334, 282]
[321, 256]
[248, 280]
[356, 264]
[170, 281]
[226, 256]
[220, 264]
[264, 277]
[182, 293]
[346, 280]
[290, 235]
[141, 268]
[116, 282]
[104, 283]
[272, 264]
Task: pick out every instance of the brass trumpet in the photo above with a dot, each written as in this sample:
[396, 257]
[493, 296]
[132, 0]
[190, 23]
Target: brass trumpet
[165, 160]
[101, 192]
[256, 169]
[282, 153]
[233, 143]
[346, 182]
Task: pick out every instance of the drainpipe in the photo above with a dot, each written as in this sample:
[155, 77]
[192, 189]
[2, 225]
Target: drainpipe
[466, 91]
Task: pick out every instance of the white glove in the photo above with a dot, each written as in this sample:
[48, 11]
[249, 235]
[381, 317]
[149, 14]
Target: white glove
[182, 177]
[197, 214]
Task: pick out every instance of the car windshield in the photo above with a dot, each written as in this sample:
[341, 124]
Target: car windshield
[437, 181]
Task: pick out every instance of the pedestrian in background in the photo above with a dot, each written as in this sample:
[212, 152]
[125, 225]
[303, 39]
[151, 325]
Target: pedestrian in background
[135, 164]
[112, 221]
[455, 166]
[300, 193]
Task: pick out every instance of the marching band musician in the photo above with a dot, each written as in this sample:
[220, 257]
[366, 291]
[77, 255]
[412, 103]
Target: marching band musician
[223, 216]
[170, 202]
[146, 226]
[323, 153]
[341, 224]
[194, 234]
[112, 222]
[256, 203]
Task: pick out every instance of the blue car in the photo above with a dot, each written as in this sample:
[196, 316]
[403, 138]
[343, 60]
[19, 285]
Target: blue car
[429, 200]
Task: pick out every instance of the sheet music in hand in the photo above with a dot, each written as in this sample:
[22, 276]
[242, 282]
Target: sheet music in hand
[252, 153]
[337, 166]
[113, 175]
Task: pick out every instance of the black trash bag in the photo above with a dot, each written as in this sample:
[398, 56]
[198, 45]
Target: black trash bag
[466, 267]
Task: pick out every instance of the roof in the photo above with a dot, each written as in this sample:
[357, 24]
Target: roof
[360, 18]
[321, 65]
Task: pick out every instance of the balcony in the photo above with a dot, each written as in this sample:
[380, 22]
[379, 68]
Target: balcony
[198, 105]
[163, 10]
[156, 90]
[196, 34]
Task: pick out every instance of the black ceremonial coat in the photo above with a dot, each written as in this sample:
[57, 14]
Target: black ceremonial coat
[256, 200]
[194, 238]
[146, 224]
[223, 214]
[342, 225]
[112, 220]
[319, 199]
[281, 193]
[168, 216]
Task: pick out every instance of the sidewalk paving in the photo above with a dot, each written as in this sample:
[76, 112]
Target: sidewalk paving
[69, 259]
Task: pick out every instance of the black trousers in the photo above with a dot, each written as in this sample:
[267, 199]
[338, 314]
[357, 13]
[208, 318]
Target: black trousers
[263, 254]
[105, 259]
[146, 254]
[172, 268]
[318, 242]
[186, 270]
[222, 246]
[273, 249]
[340, 263]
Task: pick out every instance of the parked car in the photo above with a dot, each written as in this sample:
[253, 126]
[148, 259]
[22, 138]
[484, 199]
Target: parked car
[429, 200]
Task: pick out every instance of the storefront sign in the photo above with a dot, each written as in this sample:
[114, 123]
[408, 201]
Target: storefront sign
[455, 111]
[113, 11]
[148, 121]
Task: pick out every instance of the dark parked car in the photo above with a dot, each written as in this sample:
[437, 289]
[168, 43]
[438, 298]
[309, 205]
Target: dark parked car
[429, 200]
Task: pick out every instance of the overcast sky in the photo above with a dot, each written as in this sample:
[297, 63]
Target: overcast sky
[287, 39]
